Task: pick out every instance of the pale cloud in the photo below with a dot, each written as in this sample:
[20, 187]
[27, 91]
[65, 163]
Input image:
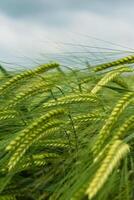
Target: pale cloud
[108, 28]
[47, 32]
[24, 38]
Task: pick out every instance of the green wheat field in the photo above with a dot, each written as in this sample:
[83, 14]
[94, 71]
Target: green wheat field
[67, 133]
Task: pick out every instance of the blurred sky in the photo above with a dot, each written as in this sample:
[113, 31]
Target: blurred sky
[30, 28]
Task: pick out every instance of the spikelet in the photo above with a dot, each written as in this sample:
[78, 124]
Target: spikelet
[118, 109]
[29, 164]
[109, 77]
[11, 116]
[70, 99]
[39, 163]
[28, 74]
[7, 114]
[122, 61]
[32, 128]
[117, 151]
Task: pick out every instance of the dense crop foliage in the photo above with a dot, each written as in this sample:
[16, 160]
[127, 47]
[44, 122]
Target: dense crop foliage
[68, 134]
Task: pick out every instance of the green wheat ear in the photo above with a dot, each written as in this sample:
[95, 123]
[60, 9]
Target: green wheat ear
[35, 126]
[63, 133]
[109, 77]
[117, 151]
[28, 74]
[35, 89]
[118, 109]
[122, 61]
[71, 99]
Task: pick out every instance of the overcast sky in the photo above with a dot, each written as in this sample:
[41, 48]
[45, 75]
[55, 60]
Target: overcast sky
[30, 29]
